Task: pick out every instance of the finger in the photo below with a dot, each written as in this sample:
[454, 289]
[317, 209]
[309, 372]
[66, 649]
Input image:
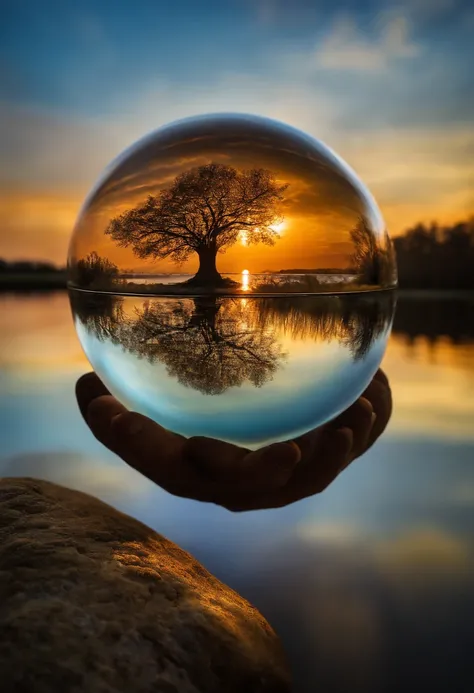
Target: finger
[149, 448]
[99, 416]
[359, 418]
[328, 449]
[382, 378]
[381, 399]
[230, 464]
[154, 451]
[89, 387]
[331, 454]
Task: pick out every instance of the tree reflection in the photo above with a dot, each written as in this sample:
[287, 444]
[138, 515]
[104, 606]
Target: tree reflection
[353, 321]
[206, 343]
[212, 344]
[102, 317]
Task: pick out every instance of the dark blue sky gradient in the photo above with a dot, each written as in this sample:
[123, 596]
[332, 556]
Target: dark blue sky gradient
[79, 56]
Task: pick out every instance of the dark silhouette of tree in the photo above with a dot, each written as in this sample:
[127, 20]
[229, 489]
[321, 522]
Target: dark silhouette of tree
[212, 344]
[203, 212]
[366, 256]
[102, 315]
[390, 266]
[355, 321]
[448, 317]
[436, 257]
[31, 275]
[366, 320]
[94, 272]
[205, 344]
[373, 258]
[28, 267]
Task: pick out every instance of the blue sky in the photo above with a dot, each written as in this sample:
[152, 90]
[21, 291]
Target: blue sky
[91, 57]
[387, 84]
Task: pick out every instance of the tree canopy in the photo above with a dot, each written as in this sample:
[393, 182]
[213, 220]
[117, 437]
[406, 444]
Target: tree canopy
[94, 271]
[203, 211]
[373, 258]
[435, 256]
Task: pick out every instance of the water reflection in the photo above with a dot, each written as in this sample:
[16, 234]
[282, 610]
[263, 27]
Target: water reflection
[252, 355]
[371, 584]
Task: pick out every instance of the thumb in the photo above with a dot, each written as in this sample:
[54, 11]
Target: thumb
[149, 448]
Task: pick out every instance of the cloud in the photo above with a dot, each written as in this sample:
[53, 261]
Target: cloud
[462, 494]
[50, 161]
[346, 48]
[36, 222]
[428, 9]
[48, 148]
[407, 133]
[282, 13]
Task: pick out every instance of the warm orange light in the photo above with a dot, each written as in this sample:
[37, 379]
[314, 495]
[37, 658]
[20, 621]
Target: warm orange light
[245, 280]
[279, 227]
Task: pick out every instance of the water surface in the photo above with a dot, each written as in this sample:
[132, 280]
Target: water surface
[370, 585]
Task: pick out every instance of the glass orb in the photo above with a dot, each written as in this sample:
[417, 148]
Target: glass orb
[227, 278]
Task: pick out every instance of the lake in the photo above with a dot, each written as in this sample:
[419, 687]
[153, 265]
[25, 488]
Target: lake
[244, 278]
[371, 584]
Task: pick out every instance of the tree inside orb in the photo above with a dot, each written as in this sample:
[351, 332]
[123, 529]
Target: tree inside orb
[205, 211]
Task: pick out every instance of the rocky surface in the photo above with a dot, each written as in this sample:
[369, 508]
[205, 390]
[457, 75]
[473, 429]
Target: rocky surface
[93, 601]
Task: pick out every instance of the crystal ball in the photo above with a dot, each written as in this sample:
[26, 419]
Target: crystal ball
[230, 276]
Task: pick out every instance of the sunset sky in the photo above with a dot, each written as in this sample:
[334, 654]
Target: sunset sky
[320, 200]
[388, 85]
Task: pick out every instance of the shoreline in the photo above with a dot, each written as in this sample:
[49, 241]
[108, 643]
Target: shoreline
[58, 282]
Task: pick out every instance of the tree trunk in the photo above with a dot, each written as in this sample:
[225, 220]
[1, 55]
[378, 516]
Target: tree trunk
[204, 315]
[207, 274]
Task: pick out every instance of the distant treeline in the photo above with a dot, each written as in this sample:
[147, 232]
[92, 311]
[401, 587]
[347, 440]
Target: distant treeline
[322, 270]
[29, 267]
[436, 257]
[27, 275]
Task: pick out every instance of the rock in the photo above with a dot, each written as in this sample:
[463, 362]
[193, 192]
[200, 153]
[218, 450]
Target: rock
[93, 601]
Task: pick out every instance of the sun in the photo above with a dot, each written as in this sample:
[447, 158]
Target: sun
[244, 234]
[244, 237]
[279, 227]
[245, 280]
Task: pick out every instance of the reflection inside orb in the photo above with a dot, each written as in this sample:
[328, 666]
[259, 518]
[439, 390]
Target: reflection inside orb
[246, 370]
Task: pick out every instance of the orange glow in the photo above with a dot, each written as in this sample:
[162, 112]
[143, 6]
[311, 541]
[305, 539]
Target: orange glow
[244, 238]
[416, 174]
[280, 227]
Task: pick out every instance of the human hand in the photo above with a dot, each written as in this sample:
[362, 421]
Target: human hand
[210, 470]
